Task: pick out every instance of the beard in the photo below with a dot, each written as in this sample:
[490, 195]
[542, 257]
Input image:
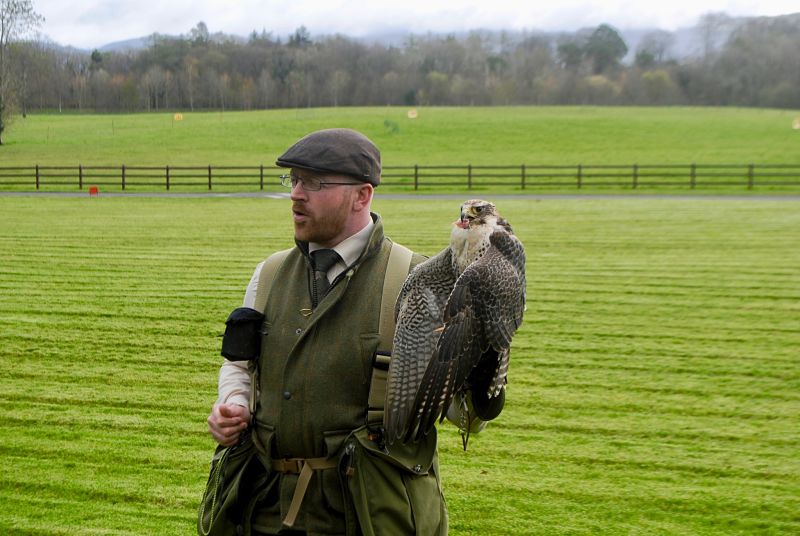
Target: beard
[321, 225]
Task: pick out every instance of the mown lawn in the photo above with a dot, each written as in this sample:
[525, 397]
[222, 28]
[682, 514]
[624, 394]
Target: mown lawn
[654, 387]
[631, 149]
[438, 135]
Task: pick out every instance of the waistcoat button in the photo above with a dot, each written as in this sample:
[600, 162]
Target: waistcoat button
[298, 331]
[287, 395]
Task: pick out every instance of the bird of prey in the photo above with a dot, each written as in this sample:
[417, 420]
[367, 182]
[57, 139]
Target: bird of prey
[456, 315]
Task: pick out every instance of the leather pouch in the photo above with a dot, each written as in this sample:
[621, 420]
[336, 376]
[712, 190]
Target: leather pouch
[242, 339]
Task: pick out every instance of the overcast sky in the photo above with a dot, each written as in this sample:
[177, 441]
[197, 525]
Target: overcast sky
[94, 23]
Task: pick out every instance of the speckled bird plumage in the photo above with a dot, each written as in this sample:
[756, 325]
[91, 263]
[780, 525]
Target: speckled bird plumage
[456, 315]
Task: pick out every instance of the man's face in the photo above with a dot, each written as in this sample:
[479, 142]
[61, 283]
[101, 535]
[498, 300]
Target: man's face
[323, 216]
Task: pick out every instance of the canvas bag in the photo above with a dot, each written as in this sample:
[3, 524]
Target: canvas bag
[395, 490]
[236, 475]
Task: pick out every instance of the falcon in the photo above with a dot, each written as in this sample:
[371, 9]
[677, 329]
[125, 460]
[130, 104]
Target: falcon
[456, 314]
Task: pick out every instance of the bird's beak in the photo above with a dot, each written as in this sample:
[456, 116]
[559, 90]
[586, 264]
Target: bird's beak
[468, 214]
[463, 220]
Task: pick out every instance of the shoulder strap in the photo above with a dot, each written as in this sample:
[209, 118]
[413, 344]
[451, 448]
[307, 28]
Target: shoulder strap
[267, 276]
[396, 273]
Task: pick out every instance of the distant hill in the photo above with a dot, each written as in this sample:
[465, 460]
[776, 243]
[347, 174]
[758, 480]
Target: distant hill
[687, 42]
[136, 43]
[139, 43]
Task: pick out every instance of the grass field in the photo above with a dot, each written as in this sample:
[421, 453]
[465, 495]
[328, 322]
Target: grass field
[438, 136]
[654, 386]
[497, 141]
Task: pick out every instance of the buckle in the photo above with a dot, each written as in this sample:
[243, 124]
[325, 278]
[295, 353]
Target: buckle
[288, 465]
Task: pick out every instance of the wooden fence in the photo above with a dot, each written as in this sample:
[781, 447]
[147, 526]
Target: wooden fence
[417, 176]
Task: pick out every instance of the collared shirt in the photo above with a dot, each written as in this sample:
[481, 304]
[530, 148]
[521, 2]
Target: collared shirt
[349, 250]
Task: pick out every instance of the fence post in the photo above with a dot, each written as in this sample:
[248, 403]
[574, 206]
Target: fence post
[123, 177]
[416, 176]
[635, 175]
[523, 176]
[37, 176]
[80, 177]
[692, 175]
[261, 176]
[469, 176]
[750, 176]
[209, 177]
[580, 176]
[167, 177]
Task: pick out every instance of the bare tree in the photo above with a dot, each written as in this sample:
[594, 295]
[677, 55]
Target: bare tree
[191, 63]
[338, 83]
[652, 50]
[154, 87]
[265, 88]
[17, 18]
[714, 28]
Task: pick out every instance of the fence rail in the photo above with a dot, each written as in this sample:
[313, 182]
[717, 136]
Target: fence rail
[469, 176]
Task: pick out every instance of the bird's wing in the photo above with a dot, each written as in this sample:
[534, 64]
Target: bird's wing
[483, 311]
[502, 290]
[420, 306]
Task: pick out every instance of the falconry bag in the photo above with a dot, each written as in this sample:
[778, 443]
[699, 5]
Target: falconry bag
[242, 339]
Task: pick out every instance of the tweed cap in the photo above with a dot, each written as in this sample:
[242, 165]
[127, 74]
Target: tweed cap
[336, 150]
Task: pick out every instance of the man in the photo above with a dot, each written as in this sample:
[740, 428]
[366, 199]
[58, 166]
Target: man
[327, 469]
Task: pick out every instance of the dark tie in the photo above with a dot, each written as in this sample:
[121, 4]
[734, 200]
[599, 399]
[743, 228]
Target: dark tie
[324, 259]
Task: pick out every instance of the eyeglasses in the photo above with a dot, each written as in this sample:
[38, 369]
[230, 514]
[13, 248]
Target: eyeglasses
[310, 184]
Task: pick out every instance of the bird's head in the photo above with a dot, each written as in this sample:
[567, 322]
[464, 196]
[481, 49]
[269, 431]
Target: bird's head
[477, 212]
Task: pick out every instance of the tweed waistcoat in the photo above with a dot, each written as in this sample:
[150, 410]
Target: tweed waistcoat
[315, 371]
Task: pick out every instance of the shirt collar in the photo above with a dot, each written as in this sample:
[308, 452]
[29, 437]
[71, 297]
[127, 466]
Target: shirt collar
[350, 249]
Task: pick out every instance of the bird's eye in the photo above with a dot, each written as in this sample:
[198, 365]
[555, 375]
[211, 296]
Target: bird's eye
[478, 209]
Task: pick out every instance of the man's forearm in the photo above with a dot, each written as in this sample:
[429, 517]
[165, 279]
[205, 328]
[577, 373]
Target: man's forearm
[234, 383]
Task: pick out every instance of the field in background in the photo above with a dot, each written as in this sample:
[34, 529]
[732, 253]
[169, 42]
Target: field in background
[653, 386]
[444, 136]
[539, 149]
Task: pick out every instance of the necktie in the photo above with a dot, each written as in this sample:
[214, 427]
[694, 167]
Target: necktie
[324, 259]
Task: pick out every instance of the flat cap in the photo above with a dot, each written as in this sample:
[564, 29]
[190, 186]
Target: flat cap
[336, 150]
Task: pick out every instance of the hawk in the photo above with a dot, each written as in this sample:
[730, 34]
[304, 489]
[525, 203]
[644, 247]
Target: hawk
[456, 314]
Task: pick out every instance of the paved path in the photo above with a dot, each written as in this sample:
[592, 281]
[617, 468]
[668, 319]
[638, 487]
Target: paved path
[379, 195]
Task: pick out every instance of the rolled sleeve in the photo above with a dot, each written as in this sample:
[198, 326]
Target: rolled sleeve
[234, 377]
[234, 383]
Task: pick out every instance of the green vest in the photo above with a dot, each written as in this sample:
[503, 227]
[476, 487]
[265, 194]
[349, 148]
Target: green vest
[314, 379]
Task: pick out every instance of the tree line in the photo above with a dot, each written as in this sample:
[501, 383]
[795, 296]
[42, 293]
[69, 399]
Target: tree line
[756, 65]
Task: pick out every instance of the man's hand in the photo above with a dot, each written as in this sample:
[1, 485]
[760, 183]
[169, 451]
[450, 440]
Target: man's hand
[227, 421]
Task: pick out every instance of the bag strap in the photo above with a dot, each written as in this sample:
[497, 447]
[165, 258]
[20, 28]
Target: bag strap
[305, 469]
[267, 276]
[265, 279]
[396, 273]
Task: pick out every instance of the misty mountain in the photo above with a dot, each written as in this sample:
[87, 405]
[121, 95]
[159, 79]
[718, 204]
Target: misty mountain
[687, 42]
[136, 43]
